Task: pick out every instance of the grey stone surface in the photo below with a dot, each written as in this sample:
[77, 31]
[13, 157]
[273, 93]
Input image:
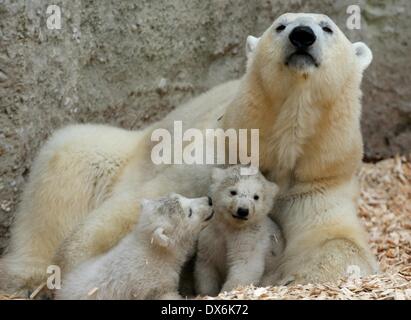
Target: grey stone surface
[128, 63]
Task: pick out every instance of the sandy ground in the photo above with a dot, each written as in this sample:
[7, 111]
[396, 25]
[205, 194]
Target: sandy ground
[385, 210]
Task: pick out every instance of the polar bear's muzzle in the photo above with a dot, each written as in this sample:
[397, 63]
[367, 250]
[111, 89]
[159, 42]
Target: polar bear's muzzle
[301, 60]
[302, 54]
[302, 37]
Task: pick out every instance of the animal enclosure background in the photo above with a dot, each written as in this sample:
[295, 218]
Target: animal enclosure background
[128, 63]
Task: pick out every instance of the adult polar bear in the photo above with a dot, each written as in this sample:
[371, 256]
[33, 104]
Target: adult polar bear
[301, 90]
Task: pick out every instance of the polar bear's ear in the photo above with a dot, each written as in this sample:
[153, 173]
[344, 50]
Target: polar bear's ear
[363, 54]
[250, 46]
[160, 238]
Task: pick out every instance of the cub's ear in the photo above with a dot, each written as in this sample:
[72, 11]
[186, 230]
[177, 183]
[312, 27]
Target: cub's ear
[249, 170]
[160, 238]
[363, 54]
[273, 188]
[217, 174]
[174, 195]
[145, 204]
[250, 46]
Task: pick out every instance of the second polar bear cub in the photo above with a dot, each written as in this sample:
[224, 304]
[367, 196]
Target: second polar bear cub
[147, 263]
[242, 241]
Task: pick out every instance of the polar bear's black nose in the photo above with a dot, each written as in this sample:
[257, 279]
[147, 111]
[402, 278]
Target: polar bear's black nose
[302, 37]
[242, 212]
[210, 201]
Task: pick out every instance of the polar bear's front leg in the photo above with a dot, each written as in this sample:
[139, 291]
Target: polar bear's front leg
[245, 259]
[100, 231]
[245, 262]
[325, 239]
[171, 296]
[244, 272]
[328, 262]
[207, 278]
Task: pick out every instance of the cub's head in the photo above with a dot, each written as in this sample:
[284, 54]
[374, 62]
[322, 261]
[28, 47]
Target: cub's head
[301, 46]
[238, 199]
[174, 220]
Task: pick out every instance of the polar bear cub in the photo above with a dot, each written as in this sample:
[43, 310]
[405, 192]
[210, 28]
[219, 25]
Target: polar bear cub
[146, 264]
[241, 241]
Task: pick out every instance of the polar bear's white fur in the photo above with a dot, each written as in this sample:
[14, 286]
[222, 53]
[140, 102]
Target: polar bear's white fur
[306, 103]
[146, 264]
[242, 241]
[84, 185]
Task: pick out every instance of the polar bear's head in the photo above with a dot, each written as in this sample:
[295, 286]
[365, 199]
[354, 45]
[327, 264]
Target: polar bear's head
[174, 220]
[238, 199]
[298, 46]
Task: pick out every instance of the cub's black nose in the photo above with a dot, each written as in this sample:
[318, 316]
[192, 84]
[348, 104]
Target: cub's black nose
[242, 212]
[210, 201]
[302, 37]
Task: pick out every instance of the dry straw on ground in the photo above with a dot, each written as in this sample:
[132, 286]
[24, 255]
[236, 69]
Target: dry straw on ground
[385, 210]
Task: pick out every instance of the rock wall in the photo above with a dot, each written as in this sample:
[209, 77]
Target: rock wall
[128, 63]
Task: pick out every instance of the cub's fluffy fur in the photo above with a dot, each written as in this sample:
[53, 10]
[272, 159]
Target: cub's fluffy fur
[242, 240]
[146, 264]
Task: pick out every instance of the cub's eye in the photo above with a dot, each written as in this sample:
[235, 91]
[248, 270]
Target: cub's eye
[190, 213]
[256, 197]
[327, 29]
[233, 192]
[280, 28]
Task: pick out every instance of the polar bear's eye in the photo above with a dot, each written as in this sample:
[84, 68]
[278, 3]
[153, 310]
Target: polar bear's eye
[190, 212]
[233, 192]
[327, 29]
[256, 197]
[280, 28]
